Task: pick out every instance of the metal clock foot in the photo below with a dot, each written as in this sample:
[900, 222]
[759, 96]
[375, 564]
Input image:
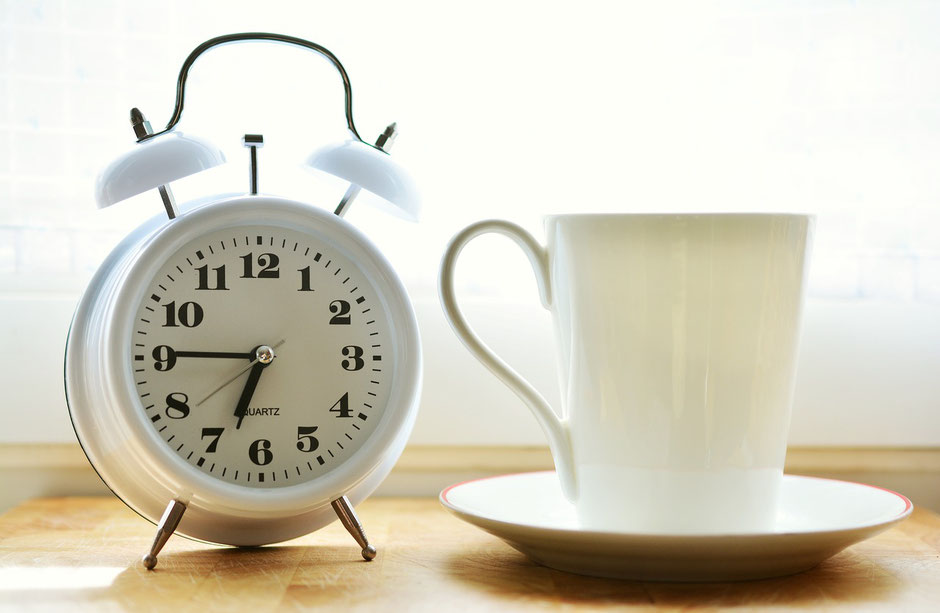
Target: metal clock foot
[168, 523]
[347, 515]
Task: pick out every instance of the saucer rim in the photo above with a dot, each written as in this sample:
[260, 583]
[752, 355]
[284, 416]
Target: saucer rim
[462, 512]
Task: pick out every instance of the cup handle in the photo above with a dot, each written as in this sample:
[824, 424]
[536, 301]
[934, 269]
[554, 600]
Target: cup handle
[555, 428]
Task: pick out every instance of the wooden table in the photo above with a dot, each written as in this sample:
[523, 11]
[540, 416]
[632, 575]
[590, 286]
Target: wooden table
[82, 554]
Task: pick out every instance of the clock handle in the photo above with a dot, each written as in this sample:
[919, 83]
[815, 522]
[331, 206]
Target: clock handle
[255, 36]
[555, 428]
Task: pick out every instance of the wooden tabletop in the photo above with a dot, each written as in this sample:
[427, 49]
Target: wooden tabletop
[83, 554]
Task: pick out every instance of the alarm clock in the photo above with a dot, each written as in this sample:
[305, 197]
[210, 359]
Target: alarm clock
[245, 369]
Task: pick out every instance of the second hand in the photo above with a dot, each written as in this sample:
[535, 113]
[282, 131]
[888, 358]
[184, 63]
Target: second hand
[238, 374]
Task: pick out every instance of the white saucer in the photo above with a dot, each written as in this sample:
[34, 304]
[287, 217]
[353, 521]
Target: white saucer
[817, 519]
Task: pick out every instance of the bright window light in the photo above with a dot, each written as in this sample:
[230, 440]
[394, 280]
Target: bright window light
[509, 110]
[27, 578]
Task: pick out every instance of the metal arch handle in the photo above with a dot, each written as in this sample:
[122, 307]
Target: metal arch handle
[244, 36]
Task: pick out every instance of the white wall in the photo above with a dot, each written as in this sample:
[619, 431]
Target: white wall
[867, 374]
[508, 110]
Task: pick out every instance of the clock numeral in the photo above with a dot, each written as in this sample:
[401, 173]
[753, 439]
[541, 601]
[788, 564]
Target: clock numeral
[176, 405]
[340, 309]
[342, 407]
[190, 314]
[260, 452]
[305, 442]
[304, 279]
[355, 361]
[165, 358]
[204, 277]
[268, 263]
[213, 432]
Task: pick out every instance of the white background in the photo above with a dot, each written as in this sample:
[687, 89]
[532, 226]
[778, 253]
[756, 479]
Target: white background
[508, 110]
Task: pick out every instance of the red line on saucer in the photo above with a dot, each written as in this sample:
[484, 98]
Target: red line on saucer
[908, 505]
[449, 488]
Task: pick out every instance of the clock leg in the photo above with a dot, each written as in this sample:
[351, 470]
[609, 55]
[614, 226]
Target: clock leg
[383, 143]
[168, 523]
[348, 516]
[141, 129]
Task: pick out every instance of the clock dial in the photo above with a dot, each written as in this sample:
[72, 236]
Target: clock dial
[261, 356]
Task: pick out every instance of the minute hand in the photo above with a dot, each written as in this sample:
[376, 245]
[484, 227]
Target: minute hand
[215, 354]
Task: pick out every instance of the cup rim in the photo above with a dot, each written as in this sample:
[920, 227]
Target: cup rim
[690, 215]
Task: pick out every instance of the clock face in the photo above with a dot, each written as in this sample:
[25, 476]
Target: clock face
[202, 341]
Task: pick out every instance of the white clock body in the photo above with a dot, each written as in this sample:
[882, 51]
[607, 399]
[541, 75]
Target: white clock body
[179, 307]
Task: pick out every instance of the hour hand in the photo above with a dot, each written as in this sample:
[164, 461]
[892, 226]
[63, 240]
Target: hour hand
[264, 357]
[242, 407]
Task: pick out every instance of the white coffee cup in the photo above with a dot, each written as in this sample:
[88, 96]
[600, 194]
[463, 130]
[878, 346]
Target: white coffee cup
[676, 343]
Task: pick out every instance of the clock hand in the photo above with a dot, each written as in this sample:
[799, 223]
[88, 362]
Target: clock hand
[215, 354]
[258, 354]
[253, 377]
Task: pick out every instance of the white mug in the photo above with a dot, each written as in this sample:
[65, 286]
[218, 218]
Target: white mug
[676, 342]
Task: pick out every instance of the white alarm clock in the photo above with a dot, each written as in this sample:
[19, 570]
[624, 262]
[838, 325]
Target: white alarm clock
[246, 370]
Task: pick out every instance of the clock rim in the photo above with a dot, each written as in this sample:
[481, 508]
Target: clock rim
[144, 256]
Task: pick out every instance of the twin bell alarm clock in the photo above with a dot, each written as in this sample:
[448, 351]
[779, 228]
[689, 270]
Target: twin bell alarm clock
[247, 370]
